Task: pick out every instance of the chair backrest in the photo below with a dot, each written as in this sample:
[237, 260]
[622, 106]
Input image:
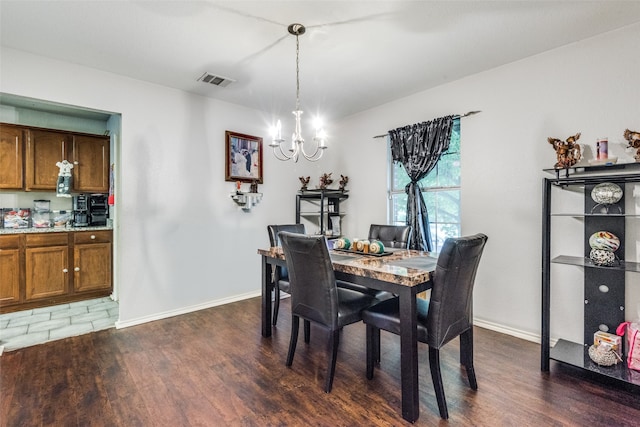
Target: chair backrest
[275, 229]
[314, 295]
[391, 236]
[450, 304]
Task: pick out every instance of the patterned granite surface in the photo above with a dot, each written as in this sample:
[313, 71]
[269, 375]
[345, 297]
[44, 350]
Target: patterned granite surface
[51, 230]
[403, 266]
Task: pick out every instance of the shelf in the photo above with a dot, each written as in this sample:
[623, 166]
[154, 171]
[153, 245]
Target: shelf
[584, 215]
[575, 354]
[586, 262]
[585, 169]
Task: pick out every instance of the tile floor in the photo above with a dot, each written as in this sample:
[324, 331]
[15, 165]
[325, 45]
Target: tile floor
[30, 327]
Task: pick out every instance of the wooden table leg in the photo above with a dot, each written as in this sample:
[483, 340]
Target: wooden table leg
[267, 287]
[409, 355]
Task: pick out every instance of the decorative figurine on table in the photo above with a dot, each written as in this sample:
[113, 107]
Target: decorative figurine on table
[633, 138]
[325, 180]
[253, 188]
[343, 182]
[567, 152]
[64, 184]
[305, 182]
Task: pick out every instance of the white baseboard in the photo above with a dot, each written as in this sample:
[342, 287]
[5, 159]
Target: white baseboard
[528, 336]
[185, 310]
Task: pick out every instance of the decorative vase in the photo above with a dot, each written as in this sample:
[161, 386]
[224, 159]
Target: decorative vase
[606, 193]
[602, 257]
[604, 240]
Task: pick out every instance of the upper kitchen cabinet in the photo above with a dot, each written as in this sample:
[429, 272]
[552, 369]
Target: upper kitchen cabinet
[90, 163]
[44, 149]
[11, 157]
[88, 153]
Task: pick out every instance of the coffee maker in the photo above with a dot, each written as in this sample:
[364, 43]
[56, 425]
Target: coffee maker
[98, 209]
[80, 210]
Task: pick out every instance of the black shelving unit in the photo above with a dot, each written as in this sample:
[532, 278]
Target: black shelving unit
[322, 207]
[600, 307]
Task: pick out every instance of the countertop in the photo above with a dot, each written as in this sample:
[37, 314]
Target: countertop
[52, 230]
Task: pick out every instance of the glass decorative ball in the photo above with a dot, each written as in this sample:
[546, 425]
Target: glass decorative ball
[602, 257]
[606, 193]
[604, 240]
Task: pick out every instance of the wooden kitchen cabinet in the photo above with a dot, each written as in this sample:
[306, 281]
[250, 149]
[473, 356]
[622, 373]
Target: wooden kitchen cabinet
[92, 260]
[10, 268]
[11, 157]
[44, 269]
[28, 158]
[44, 149]
[46, 265]
[90, 163]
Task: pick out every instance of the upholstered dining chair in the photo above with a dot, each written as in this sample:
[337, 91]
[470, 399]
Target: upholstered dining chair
[280, 274]
[447, 315]
[315, 296]
[391, 236]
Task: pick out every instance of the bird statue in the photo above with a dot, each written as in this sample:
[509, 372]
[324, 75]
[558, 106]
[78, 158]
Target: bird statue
[567, 152]
[633, 138]
[343, 182]
[305, 182]
[325, 180]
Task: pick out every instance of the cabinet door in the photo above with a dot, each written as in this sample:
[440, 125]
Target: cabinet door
[10, 269]
[11, 160]
[91, 164]
[92, 267]
[46, 271]
[44, 150]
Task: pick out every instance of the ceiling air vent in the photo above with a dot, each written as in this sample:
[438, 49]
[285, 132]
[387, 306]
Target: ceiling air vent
[215, 80]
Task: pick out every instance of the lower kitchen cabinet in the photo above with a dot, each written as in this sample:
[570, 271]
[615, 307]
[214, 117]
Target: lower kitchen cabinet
[10, 262]
[43, 269]
[92, 261]
[47, 265]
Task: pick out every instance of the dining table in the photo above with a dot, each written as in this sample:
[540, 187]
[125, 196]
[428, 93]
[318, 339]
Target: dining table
[403, 272]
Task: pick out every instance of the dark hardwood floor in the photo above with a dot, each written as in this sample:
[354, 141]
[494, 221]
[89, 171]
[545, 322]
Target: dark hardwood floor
[213, 368]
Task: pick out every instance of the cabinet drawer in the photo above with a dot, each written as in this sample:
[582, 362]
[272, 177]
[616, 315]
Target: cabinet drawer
[9, 242]
[83, 237]
[46, 239]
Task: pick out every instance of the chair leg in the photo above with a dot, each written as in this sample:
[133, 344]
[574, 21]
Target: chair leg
[373, 335]
[466, 352]
[333, 355]
[307, 331]
[295, 323]
[276, 303]
[436, 377]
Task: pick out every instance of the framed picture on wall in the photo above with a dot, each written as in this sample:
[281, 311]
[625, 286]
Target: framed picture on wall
[243, 159]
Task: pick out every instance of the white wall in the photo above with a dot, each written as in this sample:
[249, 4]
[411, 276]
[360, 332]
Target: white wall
[183, 244]
[181, 241]
[591, 87]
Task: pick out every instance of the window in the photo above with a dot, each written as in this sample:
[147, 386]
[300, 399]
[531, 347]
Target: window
[440, 189]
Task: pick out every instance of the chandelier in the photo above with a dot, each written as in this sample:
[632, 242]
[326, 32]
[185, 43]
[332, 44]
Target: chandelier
[297, 141]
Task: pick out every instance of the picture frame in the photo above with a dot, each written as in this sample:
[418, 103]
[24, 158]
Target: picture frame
[243, 157]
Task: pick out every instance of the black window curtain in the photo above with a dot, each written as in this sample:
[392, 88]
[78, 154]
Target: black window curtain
[418, 148]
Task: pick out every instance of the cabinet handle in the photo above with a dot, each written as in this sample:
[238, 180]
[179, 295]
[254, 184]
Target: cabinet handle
[64, 270]
[76, 269]
[93, 237]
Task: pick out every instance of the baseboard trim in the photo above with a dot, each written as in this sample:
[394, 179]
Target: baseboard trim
[185, 310]
[528, 336]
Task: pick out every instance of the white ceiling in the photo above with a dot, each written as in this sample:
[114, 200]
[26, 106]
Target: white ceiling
[355, 54]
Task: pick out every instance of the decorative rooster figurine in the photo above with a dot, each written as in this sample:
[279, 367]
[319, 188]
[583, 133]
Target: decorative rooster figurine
[633, 138]
[343, 182]
[325, 180]
[567, 152]
[305, 182]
